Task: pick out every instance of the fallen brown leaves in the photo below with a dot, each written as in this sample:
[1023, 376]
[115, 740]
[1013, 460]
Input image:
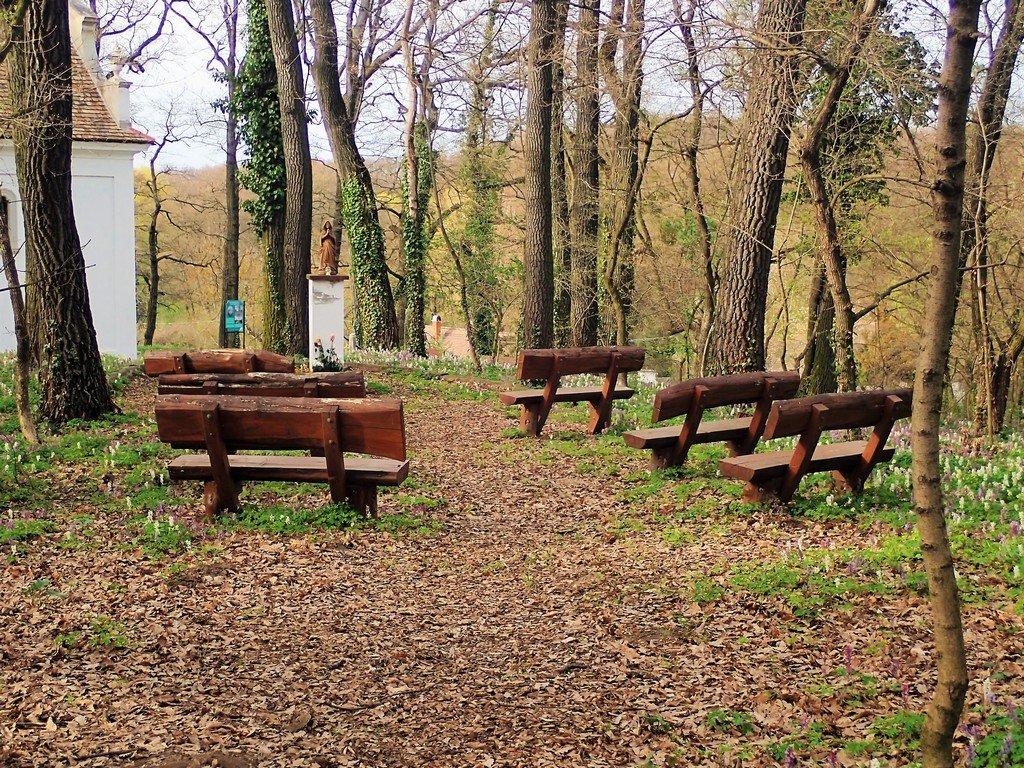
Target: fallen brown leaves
[524, 633]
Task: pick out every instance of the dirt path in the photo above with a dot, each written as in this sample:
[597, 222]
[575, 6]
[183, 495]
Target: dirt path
[528, 629]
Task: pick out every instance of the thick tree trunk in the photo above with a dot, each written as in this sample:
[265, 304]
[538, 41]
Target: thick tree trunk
[738, 336]
[229, 265]
[376, 324]
[538, 260]
[561, 244]
[298, 173]
[71, 374]
[584, 215]
[22, 348]
[943, 712]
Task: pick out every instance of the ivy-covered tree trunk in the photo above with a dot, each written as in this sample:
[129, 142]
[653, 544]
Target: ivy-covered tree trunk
[258, 110]
[419, 172]
[376, 323]
[298, 173]
[71, 376]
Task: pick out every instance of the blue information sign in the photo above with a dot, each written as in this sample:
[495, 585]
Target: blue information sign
[234, 316]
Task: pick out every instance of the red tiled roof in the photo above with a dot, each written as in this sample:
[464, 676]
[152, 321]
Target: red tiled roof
[90, 118]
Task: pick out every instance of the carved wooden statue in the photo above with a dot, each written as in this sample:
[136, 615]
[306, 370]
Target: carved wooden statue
[328, 250]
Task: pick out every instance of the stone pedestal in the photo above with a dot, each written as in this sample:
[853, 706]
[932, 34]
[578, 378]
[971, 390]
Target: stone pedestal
[327, 313]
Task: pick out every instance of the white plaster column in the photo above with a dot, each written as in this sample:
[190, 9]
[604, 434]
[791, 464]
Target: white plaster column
[327, 313]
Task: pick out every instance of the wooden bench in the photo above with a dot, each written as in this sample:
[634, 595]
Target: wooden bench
[223, 425]
[778, 473]
[670, 445]
[345, 384]
[552, 364]
[157, 362]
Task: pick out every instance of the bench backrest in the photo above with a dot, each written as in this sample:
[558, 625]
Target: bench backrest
[537, 363]
[157, 362]
[374, 427]
[344, 384]
[737, 389]
[846, 410]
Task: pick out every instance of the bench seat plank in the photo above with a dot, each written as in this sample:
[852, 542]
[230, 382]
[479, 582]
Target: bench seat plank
[707, 432]
[758, 468]
[312, 469]
[563, 395]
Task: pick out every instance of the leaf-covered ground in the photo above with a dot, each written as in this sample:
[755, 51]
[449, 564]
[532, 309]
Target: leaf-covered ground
[517, 603]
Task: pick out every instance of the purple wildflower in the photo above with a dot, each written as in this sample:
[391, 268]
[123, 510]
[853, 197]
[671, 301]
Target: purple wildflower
[790, 761]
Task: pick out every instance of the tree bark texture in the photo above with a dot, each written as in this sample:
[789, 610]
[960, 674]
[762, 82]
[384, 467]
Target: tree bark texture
[829, 242]
[738, 333]
[993, 354]
[229, 265]
[71, 374]
[538, 260]
[561, 244]
[298, 218]
[22, 342]
[625, 87]
[690, 151]
[819, 363]
[943, 712]
[584, 213]
[153, 251]
[376, 323]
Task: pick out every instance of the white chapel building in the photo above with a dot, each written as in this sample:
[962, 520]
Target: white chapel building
[103, 188]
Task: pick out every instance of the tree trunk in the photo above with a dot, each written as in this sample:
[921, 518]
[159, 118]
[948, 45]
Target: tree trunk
[275, 321]
[821, 200]
[974, 246]
[71, 374]
[943, 712]
[738, 336]
[584, 215]
[561, 245]
[376, 323]
[229, 266]
[153, 248]
[819, 364]
[417, 184]
[298, 173]
[690, 150]
[22, 349]
[538, 260]
[625, 88]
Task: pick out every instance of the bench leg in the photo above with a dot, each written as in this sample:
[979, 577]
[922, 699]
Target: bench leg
[760, 494]
[669, 456]
[213, 503]
[847, 482]
[598, 419]
[363, 498]
[529, 422]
